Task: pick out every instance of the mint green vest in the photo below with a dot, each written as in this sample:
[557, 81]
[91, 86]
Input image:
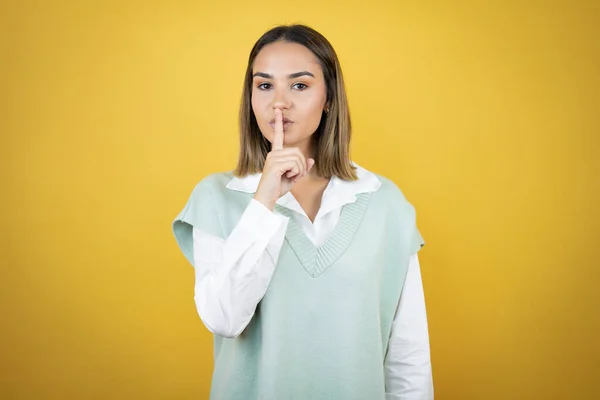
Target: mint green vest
[321, 331]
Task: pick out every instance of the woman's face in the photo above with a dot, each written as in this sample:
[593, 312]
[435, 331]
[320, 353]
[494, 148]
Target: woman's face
[288, 76]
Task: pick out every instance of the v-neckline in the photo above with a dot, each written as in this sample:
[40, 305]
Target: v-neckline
[316, 259]
[303, 211]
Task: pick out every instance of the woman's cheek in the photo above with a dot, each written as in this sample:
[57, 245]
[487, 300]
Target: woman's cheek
[313, 123]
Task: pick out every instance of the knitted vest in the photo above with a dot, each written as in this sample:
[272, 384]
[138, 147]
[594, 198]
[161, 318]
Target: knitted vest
[321, 331]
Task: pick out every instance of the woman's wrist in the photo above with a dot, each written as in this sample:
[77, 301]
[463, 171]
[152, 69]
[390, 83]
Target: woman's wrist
[270, 205]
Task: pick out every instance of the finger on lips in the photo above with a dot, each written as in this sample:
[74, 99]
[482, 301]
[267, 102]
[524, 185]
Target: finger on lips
[297, 164]
[278, 131]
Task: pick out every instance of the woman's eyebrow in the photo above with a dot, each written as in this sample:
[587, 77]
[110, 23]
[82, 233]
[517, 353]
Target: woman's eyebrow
[290, 76]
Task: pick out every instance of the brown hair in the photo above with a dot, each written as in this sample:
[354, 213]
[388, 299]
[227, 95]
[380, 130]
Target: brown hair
[333, 133]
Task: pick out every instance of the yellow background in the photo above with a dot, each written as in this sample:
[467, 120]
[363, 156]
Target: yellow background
[486, 114]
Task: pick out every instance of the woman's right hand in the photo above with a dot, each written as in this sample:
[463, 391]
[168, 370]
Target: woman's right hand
[282, 169]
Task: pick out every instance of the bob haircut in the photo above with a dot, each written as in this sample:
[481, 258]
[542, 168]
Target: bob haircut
[332, 137]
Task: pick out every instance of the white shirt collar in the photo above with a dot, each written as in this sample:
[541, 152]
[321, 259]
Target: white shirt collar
[367, 182]
[337, 193]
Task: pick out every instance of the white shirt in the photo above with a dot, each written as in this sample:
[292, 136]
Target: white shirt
[233, 275]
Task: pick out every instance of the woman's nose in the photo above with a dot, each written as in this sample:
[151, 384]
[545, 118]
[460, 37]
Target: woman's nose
[281, 100]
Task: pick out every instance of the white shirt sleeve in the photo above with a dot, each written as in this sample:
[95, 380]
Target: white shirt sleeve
[233, 275]
[408, 363]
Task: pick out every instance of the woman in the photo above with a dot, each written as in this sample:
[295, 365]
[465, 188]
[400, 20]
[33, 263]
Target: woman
[306, 263]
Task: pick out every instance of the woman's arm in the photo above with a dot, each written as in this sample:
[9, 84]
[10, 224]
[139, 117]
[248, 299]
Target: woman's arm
[233, 275]
[408, 362]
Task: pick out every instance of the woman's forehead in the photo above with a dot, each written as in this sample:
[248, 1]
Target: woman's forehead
[281, 58]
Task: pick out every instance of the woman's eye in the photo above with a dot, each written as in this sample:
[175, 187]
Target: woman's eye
[264, 86]
[300, 86]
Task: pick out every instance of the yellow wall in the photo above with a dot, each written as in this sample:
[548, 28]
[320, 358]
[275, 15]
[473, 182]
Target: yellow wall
[486, 115]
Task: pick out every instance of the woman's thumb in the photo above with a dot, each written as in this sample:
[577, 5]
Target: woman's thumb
[310, 162]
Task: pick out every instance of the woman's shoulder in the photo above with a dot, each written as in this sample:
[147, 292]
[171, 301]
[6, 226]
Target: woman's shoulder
[389, 187]
[391, 195]
[212, 185]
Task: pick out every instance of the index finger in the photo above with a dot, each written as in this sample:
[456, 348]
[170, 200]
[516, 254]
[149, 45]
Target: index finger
[278, 134]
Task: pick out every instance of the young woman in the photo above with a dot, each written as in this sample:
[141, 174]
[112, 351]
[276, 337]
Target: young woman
[306, 263]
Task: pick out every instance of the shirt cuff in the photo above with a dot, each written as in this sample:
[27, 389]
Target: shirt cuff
[259, 221]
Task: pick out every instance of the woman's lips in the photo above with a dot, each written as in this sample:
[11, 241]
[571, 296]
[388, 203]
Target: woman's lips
[286, 124]
[285, 119]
